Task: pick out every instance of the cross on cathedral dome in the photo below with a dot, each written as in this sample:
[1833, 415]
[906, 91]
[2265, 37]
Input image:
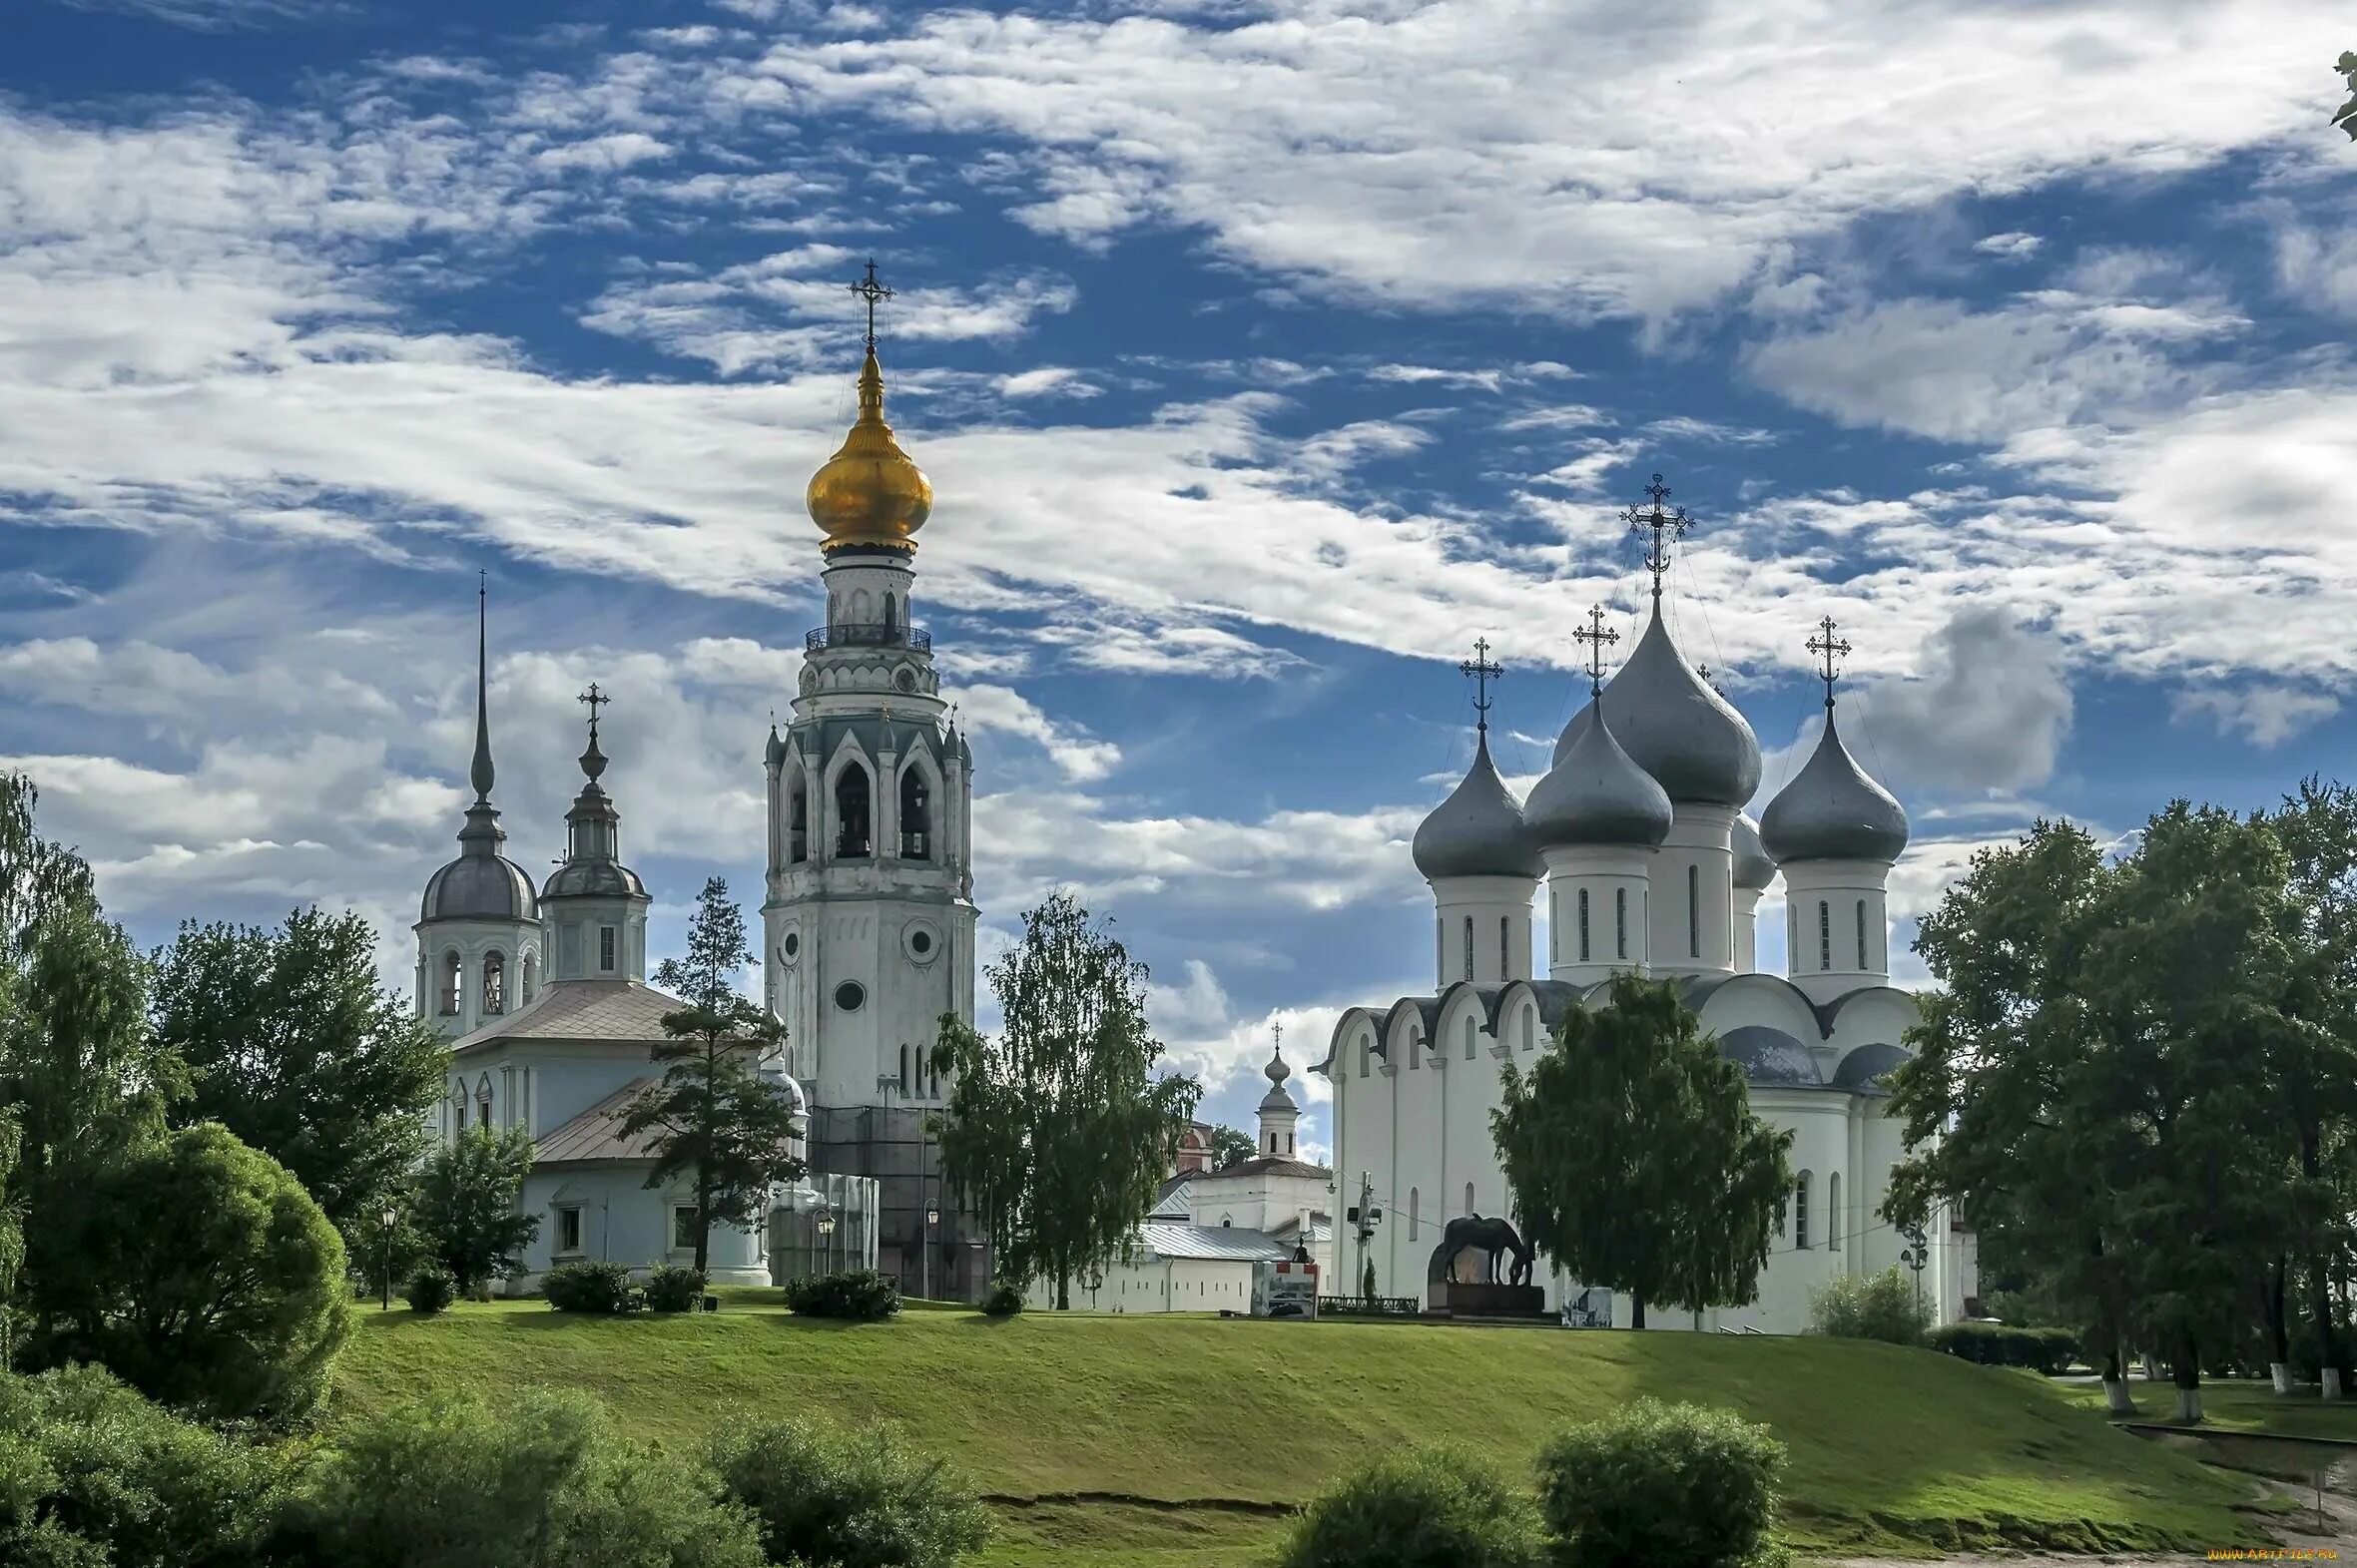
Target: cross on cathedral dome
[869, 494]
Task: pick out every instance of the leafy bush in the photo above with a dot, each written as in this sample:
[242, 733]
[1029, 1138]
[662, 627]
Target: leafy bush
[202, 1274]
[859, 1293]
[1002, 1299]
[828, 1499]
[93, 1476]
[673, 1289]
[589, 1287]
[2046, 1351]
[1878, 1306]
[431, 1290]
[1664, 1485]
[1430, 1508]
[544, 1482]
[2304, 1359]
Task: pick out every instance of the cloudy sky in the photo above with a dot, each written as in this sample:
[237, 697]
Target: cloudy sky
[1263, 353]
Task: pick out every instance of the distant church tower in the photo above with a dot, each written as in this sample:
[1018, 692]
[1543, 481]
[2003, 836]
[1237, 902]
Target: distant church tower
[869, 923]
[479, 926]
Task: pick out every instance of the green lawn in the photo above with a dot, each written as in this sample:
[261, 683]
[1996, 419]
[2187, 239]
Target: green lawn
[1157, 1442]
[2238, 1405]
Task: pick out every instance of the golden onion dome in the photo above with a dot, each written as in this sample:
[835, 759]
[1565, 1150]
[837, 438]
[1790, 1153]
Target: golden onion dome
[869, 492]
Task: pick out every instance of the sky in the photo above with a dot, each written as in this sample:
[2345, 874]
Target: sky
[1263, 353]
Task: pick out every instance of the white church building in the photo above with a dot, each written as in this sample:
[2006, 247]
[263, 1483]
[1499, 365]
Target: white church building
[1637, 841]
[867, 925]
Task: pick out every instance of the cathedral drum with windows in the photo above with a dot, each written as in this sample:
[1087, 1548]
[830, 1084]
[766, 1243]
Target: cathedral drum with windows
[1648, 864]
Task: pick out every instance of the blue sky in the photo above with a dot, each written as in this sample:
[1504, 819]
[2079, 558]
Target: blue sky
[1262, 355]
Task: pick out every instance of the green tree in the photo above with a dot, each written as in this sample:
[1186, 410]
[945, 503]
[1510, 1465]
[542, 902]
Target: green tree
[466, 1203]
[714, 1115]
[292, 1044]
[1230, 1145]
[1633, 1157]
[202, 1274]
[2346, 116]
[2314, 1075]
[1058, 1131]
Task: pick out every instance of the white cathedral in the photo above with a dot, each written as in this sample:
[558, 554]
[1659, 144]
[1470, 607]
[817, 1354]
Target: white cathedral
[1637, 832]
[867, 921]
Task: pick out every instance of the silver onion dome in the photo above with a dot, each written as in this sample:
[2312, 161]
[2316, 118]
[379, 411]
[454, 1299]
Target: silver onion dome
[1754, 866]
[1690, 739]
[1832, 810]
[1597, 794]
[1478, 830]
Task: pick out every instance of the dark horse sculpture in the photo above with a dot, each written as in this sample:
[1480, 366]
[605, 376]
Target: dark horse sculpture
[1494, 1236]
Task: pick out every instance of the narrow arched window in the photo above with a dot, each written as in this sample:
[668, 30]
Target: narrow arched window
[532, 978]
[892, 617]
[1468, 948]
[453, 984]
[1468, 1197]
[916, 817]
[1529, 1029]
[1470, 1028]
[904, 1069]
[1365, 1057]
[1506, 945]
[1583, 926]
[1621, 920]
[853, 839]
[1824, 935]
[1694, 911]
[797, 822]
[1861, 933]
[1414, 1207]
[1833, 1209]
[494, 983]
[1800, 1210]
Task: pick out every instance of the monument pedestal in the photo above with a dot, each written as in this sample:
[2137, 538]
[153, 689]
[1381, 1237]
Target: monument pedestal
[1492, 1300]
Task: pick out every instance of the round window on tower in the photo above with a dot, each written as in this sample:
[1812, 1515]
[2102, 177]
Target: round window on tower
[905, 678]
[920, 942]
[850, 995]
[791, 949]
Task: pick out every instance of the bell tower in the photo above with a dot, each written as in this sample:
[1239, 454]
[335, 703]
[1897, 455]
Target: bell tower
[869, 923]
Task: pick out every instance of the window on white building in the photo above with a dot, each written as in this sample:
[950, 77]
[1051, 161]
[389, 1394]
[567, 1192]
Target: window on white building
[605, 946]
[1824, 935]
[1621, 920]
[1468, 1197]
[1833, 1209]
[1861, 933]
[1470, 1028]
[494, 983]
[1413, 1205]
[1583, 926]
[453, 984]
[683, 1227]
[568, 1229]
[1694, 911]
[1800, 1210]
[1505, 944]
[1468, 948]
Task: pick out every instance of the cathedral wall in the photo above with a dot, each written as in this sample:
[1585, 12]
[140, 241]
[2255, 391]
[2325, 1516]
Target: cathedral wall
[621, 1221]
[1692, 901]
[1416, 1178]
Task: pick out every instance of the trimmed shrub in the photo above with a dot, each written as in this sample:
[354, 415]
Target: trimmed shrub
[861, 1294]
[589, 1287]
[93, 1476]
[828, 1499]
[431, 1290]
[2048, 1350]
[1426, 1508]
[674, 1288]
[1665, 1485]
[541, 1482]
[1881, 1307]
[200, 1272]
[1001, 1300]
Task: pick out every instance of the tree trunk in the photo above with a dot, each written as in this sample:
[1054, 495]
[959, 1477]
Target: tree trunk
[2188, 1379]
[2116, 1394]
[2320, 1319]
[2278, 1335]
[1636, 1311]
[702, 1221]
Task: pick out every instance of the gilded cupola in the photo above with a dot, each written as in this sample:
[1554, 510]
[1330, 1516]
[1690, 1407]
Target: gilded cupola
[869, 494]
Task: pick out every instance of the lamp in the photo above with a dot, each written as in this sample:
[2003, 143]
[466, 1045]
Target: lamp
[933, 1217]
[387, 1216]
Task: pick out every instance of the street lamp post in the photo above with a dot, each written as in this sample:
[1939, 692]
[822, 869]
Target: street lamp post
[827, 1235]
[385, 1219]
[933, 1217]
[1915, 1255]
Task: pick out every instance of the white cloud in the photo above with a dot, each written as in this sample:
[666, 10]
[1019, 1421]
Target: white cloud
[2012, 245]
[2264, 714]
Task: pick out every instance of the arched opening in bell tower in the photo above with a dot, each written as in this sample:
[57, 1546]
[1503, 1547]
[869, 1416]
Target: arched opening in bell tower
[852, 837]
[797, 822]
[917, 824]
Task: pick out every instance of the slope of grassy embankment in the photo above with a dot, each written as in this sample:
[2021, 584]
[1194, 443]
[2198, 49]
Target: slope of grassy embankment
[1177, 1443]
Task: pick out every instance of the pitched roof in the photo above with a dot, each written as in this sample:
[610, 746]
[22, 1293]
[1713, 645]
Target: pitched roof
[1170, 1238]
[596, 1134]
[1270, 1165]
[621, 1010]
[1173, 1204]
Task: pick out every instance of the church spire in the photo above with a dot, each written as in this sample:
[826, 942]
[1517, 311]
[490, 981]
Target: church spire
[480, 775]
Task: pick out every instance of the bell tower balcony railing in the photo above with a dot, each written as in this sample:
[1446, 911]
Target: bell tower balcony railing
[914, 638]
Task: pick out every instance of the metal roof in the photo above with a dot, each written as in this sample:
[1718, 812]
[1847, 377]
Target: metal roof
[596, 1134]
[1171, 1239]
[621, 1010]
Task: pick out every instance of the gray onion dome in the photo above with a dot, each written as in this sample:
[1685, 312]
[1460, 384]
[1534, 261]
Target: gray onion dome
[481, 884]
[1597, 794]
[1754, 869]
[1674, 727]
[1832, 812]
[1478, 830]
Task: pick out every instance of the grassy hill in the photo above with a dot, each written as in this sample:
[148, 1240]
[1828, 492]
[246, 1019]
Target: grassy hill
[1171, 1441]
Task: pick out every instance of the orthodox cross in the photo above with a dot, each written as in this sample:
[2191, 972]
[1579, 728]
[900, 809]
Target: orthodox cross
[871, 290]
[596, 700]
[1278, 1029]
[1598, 638]
[1668, 525]
[1832, 648]
[1482, 672]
